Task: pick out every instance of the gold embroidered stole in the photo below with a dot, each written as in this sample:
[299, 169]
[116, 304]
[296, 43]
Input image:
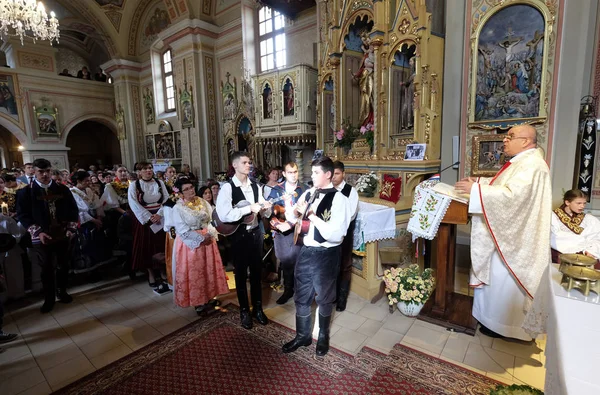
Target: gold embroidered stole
[570, 222]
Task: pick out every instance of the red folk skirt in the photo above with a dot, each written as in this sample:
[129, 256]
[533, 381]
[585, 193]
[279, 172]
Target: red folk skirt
[146, 243]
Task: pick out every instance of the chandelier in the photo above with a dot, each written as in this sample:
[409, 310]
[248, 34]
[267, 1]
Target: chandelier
[26, 18]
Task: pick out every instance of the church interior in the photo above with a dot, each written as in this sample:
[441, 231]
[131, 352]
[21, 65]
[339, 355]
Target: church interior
[405, 90]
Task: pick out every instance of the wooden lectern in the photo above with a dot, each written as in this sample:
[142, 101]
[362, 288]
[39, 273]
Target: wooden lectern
[445, 307]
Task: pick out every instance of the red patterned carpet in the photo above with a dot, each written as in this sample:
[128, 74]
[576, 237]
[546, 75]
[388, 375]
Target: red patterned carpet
[217, 356]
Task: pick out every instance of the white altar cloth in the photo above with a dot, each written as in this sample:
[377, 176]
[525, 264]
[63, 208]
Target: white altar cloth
[374, 222]
[572, 346]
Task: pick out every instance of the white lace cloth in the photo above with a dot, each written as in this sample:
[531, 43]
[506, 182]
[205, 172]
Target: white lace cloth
[427, 211]
[573, 326]
[373, 222]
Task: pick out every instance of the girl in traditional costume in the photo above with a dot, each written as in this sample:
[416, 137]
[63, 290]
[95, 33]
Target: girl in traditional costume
[573, 231]
[199, 272]
[89, 251]
[146, 196]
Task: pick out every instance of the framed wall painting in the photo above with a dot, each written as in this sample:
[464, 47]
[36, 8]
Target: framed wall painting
[510, 60]
[488, 155]
[47, 121]
[8, 103]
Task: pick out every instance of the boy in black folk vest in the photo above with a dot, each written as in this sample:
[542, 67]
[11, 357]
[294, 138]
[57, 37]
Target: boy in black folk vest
[318, 264]
[49, 212]
[343, 285]
[247, 241]
[285, 248]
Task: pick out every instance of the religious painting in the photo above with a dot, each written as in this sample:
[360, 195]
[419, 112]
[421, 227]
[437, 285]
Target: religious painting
[267, 98]
[113, 3]
[488, 155]
[402, 90]
[120, 118]
[187, 109]
[245, 136]
[288, 98]
[229, 107]
[110, 3]
[415, 152]
[164, 126]
[46, 121]
[149, 106]
[150, 147]
[509, 63]
[156, 21]
[229, 96]
[164, 146]
[178, 151]
[8, 101]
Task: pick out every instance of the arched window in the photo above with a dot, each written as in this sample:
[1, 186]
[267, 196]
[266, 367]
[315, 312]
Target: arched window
[168, 81]
[272, 39]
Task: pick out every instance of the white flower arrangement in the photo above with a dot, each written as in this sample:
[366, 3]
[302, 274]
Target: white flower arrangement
[408, 285]
[367, 183]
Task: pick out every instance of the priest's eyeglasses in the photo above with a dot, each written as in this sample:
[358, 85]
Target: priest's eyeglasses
[511, 137]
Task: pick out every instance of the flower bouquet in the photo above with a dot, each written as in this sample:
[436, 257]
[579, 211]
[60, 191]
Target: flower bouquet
[367, 184]
[408, 288]
[368, 132]
[346, 135]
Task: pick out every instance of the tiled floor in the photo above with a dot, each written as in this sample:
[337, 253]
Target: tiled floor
[109, 320]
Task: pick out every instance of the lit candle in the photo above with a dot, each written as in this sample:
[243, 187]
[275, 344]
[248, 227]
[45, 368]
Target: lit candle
[4, 208]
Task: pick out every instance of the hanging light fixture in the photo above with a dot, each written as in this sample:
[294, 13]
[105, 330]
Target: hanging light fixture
[26, 18]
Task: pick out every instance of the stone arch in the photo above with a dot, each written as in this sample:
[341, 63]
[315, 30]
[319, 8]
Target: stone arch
[100, 118]
[15, 130]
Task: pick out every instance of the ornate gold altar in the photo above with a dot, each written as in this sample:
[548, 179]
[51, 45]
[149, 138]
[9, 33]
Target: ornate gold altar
[380, 77]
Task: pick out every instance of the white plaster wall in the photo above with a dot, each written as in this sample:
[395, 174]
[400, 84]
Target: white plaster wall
[574, 74]
[300, 38]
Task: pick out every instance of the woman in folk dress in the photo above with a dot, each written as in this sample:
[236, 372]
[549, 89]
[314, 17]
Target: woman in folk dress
[199, 274]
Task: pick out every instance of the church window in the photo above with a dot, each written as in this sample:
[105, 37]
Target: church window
[169, 83]
[272, 39]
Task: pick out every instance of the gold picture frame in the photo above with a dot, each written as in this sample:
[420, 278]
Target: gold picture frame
[488, 155]
[493, 41]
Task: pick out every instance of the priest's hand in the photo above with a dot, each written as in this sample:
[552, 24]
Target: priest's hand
[464, 185]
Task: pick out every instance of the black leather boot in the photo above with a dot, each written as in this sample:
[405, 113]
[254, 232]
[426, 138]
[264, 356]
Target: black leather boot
[259, 314]
[63, 296]
[323, 340]
[303, 335]
[246, 318]
[288, 283]
[342, 295]
[47, 306]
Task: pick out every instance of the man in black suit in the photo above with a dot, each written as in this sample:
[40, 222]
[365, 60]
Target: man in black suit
[49, 212]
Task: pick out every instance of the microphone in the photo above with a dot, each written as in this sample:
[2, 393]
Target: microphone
[447, 167]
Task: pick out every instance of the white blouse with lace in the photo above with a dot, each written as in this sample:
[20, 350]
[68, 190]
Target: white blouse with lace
[187, 218]
[87, 200]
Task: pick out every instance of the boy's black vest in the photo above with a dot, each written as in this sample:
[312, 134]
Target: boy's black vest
[325, 204]
[237, 195]
[346, 190]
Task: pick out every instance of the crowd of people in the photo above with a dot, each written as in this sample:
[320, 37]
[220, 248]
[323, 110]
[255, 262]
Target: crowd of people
[57, 223]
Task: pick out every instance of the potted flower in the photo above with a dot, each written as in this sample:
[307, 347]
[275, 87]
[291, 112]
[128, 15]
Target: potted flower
[368, 131]
[408, 288]
[345, 136]
[367, 184]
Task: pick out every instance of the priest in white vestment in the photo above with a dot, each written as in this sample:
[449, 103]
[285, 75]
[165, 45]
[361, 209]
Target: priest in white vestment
[573, 231]
[510, 235]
